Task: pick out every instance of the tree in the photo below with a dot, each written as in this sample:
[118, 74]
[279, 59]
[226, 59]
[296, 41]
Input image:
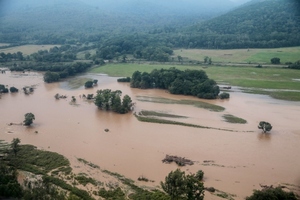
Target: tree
[179, 58]
[88, 84]
[87, 55]
[13, 89]
[29, 117]
[15, 145]
[180, 186]
[95, 81]
[174, 184]
[275, 60]
[265, 126]
[50, 77]
[272, 194]
[224, 95]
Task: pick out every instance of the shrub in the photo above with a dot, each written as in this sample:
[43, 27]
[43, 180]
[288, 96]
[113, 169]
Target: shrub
[224, 95]
[272, 193]
[275, 60]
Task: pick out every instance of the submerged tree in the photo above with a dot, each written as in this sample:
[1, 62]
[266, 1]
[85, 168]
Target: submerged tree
[15, 145]
[272, 193]
[29, 117]
[265, 126]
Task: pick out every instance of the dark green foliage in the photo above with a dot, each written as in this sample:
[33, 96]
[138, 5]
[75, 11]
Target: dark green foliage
[199, 175]
[181, 186]
[29, 117]
[259, 24]
[188, 82]
[116, 194]
[89, 84]
[258, 66]
[296, 65]
[111, 100]
[50, 77]
[13, 89]
[3, 89]
[9, 186]
[85, 180]
[275, 60]
[224, 95]
[265, 126]
[15, 145]
[95, 81]
[55, 54]
[29, 158]
[127, 79]
[272, 194]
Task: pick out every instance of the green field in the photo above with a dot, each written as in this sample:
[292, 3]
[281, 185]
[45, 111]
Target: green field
[263, 56]
[270, 81]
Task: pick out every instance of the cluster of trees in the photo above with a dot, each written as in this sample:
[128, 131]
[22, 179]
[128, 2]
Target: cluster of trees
[12, 89]
[188, 82]
[11, 56]
[56, 72]
[55, 54]
[111, 100]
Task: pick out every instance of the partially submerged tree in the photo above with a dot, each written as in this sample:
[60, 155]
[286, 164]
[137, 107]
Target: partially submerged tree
[29, 117]
[88, 84]
[15, 145]
[265, 126]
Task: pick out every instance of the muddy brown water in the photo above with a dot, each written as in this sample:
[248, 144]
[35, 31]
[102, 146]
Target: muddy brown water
[241, 159]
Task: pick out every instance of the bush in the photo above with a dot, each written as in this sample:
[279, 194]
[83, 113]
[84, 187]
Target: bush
[13, 89]
[275, 60]
[272, 194]
[224, 95]
[89, 84]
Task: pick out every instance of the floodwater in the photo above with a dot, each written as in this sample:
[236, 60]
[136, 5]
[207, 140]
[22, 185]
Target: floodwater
[240, 159]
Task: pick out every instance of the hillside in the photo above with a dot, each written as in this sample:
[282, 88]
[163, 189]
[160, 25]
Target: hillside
[259, 23]
[49, 22]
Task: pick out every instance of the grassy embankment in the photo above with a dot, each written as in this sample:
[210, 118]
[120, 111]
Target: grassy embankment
[279, 83]
[55, 170]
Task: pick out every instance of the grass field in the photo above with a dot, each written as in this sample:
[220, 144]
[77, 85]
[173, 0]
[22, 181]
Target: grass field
[263, 56]
[27, 49]
[271, 81]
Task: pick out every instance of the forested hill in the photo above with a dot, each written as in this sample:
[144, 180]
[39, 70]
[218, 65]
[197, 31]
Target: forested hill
[259, 23]
[58, 21]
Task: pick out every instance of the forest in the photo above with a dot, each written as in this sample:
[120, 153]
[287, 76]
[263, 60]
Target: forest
[256, 24]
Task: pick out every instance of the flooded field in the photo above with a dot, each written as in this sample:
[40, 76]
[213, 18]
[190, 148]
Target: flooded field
[239, 159]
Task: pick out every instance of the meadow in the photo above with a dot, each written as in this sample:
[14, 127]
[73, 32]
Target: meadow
[280, 83]
[262, 56]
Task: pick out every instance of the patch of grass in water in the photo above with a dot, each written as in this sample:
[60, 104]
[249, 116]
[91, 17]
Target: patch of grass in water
[164, 121]
[234, 119]
[77, 82]
[159, 114]
[282, 95]
[198, 104]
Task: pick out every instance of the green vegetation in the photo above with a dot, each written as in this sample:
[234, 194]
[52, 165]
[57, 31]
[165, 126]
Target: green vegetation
[181, 186]
[29, 117]
[198, 104]
[164, 121]
[88, 163]
[265, 126]
[188, 82]
[272, 193]
[111, 100]
[234, 119]
[83, 180]
[159, 114]
[227, 56]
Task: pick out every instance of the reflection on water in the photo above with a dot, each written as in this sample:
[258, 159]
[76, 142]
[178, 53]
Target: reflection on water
[135, 148]
[264, 136]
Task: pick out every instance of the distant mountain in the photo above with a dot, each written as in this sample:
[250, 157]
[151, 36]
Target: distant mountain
[259, 23]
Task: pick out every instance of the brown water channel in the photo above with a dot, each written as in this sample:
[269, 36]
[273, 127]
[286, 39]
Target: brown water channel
[241, 159]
